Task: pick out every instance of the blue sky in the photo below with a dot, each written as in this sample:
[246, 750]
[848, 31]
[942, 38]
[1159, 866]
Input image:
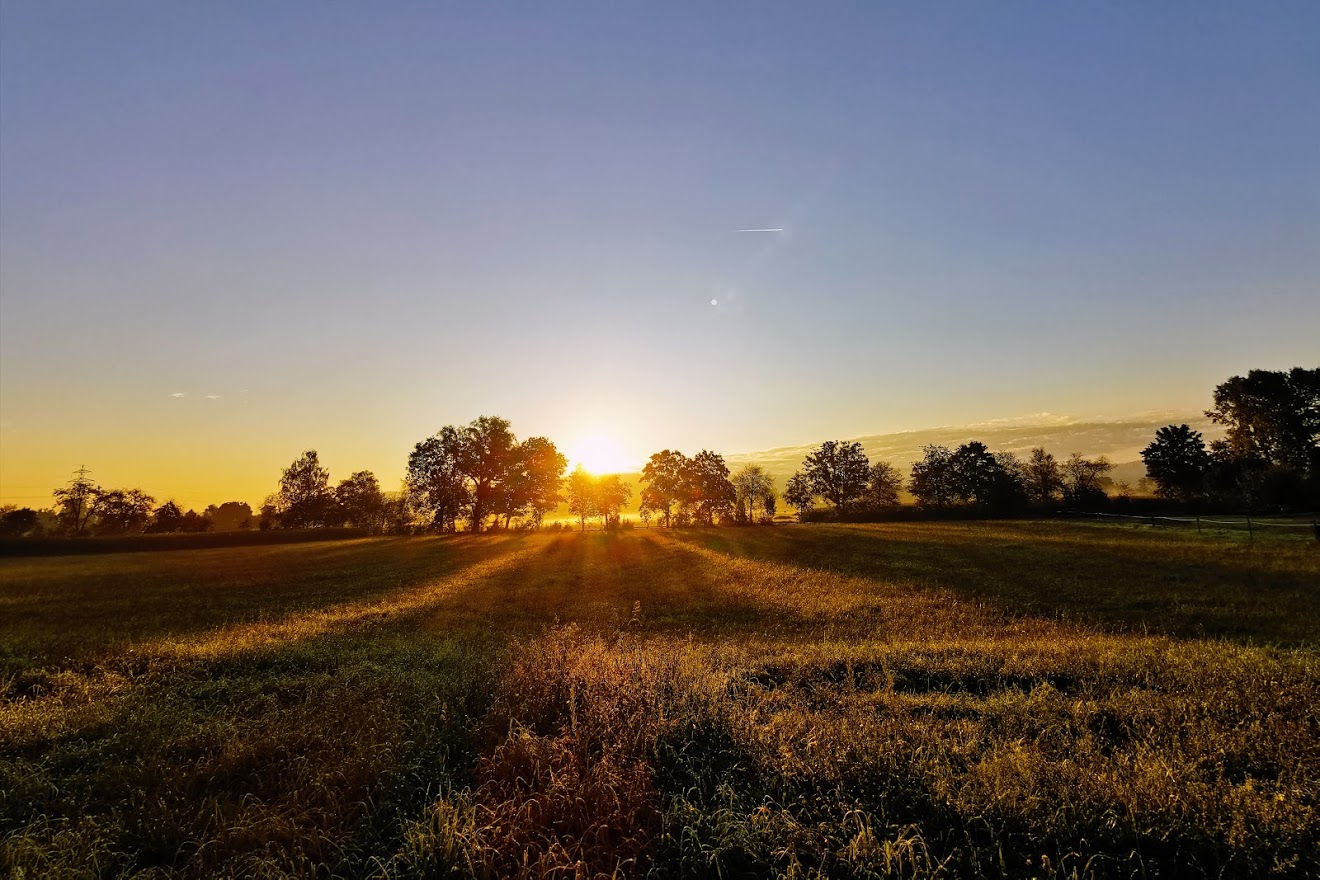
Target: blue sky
[342, 226]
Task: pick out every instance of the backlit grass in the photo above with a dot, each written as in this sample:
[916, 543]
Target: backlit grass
[899, 700]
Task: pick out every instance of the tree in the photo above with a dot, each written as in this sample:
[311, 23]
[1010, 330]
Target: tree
[1081, 479]
[768, 505]
[535, 480]
[304, 499]
[77, 502]
[17, 521]
[986, 479]
[1042, 477]
[799, 492]
[1178, 462]
[486, 457]
[711, 493]
[166, 518]
[838, 471]
[122, 511]
[360, 499]
[751, 486]
[883, 486]
[230, 516]
[1272, 416]
[667, 477]
[934, 483]
[611, 493]
[434, 482]
[581, 495]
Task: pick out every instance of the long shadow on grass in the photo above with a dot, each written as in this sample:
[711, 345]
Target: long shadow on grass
[609, 581]
[89, 606]
[1169, 585]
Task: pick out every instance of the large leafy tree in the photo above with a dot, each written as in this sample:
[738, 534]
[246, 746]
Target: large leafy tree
[534, 483]
[839, 472]
[611, 494]
[1178, 462]
[304, 498]
[934, 482]
[361, 501]
[883, 486]
[666, 479]
[122, 511]
[435, 483]
[799, 492]
[487, 457]
[1272, 416]
[712, 493]
[580, 492]
[230, 516]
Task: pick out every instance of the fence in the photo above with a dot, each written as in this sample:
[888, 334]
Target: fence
[1300, 525]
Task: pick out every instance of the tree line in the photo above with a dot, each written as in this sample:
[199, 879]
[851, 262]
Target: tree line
[480, 476]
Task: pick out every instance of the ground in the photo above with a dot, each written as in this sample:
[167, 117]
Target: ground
[901, 700]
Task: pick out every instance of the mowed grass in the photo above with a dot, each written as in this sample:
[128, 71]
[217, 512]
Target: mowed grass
[905, 700]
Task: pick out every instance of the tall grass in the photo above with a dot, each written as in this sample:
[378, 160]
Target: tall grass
[903, 700]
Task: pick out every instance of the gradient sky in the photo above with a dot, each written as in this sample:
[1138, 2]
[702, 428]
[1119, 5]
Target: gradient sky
[341, 226]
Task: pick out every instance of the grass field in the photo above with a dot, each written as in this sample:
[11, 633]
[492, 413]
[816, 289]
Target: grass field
[906, 700]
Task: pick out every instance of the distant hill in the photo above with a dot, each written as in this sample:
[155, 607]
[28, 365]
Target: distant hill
[1119, 440]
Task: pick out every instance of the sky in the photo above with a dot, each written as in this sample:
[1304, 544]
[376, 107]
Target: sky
[230, 232]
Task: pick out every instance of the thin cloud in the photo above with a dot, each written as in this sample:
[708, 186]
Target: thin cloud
[178, 394]
[213, 397]
[768, 229]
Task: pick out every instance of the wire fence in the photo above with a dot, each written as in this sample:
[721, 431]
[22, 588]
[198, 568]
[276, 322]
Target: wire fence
[1299, 525]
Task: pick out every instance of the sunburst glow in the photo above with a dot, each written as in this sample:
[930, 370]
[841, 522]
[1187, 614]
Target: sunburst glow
[599, 453]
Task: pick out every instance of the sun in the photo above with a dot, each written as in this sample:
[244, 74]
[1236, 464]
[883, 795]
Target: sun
[599, 453]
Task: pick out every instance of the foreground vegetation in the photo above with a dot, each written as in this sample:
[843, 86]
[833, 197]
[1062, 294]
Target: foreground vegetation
[900, 700]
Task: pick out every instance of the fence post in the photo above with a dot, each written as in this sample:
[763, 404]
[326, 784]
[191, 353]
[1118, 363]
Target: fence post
[1251, 536]
[1198, 523]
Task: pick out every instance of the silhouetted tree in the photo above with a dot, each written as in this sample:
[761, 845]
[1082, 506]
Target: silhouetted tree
[533, 485]
[360, 499]
[800, 493]
[230, 516]
[1178, 462]
[934, 482]
[1081, 479]
[304, 498]
[166, 518]
[712, 494]
[487, 458]
[986, 479]
[1042, 477]
[838, 471]
[1272, 416]
[883, 486]
[611, 493]
[581, 495]
[77, 502]
[667, 479]
[751, 485]
[15, 522]
[435, 482]
[122, 511]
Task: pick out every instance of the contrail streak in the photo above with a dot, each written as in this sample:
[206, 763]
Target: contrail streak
[776, 229]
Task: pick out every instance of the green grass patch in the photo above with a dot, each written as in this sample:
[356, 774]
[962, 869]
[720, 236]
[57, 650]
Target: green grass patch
[896, 700]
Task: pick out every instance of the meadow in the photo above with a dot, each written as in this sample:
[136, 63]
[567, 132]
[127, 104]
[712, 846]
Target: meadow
[973, 699]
